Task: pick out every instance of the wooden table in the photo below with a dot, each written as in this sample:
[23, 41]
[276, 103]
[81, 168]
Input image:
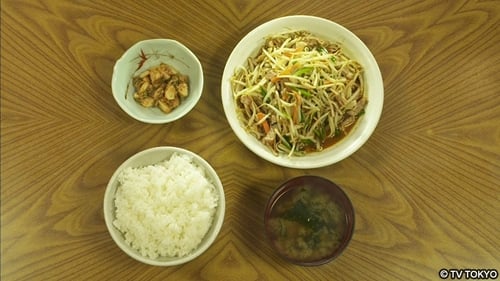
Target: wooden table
[425, 186]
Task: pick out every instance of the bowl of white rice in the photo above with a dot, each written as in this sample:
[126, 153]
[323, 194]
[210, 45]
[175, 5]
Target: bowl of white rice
[164, 206]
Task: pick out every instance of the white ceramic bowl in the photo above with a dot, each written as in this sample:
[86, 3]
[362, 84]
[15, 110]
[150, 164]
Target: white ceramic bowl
[156, 51]
[153, 156]
[327, 30]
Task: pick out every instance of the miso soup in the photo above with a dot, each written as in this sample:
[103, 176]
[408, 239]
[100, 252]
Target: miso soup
[306, 223]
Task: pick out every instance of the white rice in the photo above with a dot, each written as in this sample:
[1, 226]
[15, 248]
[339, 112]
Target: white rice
[165, 209]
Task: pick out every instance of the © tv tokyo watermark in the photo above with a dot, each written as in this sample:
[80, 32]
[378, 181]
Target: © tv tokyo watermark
[476, 274]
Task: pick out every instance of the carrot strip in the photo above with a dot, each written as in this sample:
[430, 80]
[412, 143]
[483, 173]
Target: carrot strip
[265, 125]
[287, 71]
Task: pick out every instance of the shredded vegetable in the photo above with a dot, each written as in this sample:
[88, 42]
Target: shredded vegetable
[299, 93]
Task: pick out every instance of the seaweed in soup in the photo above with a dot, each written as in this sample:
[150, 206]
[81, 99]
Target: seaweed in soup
[307, 224]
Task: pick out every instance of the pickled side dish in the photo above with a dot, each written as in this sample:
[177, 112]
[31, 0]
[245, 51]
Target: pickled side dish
[161, 86]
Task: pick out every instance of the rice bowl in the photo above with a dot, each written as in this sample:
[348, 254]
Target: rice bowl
[172, 199]
[164, 206]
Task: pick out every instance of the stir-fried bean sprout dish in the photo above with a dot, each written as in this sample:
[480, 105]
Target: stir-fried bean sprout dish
[299, 94]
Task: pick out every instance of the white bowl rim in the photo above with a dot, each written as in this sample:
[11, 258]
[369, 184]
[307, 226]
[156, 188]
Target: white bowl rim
[108, 205]
[166, 118]
[312, 160]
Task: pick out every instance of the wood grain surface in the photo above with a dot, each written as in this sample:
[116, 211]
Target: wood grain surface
[425, 186]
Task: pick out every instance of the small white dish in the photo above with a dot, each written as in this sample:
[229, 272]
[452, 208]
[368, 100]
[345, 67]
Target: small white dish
[144, 55]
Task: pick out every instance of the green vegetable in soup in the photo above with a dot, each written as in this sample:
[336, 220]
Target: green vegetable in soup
[303, 213]
[307, 224]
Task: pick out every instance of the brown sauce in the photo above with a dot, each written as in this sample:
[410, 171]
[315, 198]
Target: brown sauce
[332, 140]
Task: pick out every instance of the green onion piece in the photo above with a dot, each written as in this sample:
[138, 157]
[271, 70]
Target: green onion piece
[304, 70]
[337, 132]
[323, 50]
[361, 113]
[305, 93]
[307, 141]
[320, 133]
[263, 91]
